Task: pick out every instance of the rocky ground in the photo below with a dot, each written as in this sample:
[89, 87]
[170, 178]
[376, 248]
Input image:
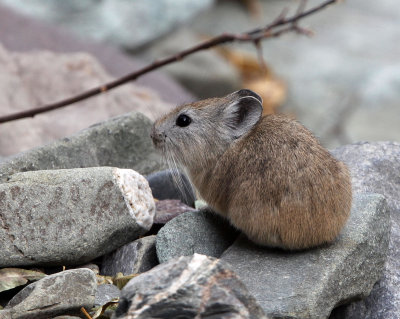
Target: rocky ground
[69, 216]
[93, 222]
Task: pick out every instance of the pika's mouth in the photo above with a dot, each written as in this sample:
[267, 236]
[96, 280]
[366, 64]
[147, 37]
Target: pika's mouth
[158, 138]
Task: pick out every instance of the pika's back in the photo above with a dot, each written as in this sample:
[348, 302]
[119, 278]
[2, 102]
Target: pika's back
[280, 177]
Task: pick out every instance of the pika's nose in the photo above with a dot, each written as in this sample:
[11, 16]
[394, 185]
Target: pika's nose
[157, 137]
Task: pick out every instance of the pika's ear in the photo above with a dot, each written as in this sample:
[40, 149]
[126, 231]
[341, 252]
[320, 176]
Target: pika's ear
[246, 92]
[242, 114]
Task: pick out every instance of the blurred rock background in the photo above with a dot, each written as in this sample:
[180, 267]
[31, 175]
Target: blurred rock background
[343, 83]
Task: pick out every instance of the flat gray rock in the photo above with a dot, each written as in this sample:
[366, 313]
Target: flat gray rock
[122, 142]
[71, 216]
[188, 288]
[62, 293]
[202, 232]
[375, 167]
[309, 284]
[136, 257]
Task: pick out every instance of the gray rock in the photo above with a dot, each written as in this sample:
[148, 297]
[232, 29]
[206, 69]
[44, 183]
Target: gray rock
[105, 293]
[343, 83]
[61, 76]
[375, 167]
[308, 284]
[168, 209]
[62, 293]
[168, 184]
[136, 257]
[202, 232]
[205, 75]
[115, 21]
[63, 217]
[188, 287]
[121, 142]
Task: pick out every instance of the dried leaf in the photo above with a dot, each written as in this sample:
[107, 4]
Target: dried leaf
[254, 7]
[121, 281]
[273, 92]
[111, 304]
[258, 78]
[14, 277]
[104, 280]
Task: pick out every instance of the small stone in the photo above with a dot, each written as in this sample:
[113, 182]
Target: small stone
[188, 287]
[136, 257]
[168, 209]
[59, 294]
[170, 184]
[71, 216]
[202, 232]
[105, 293]
[308, 284]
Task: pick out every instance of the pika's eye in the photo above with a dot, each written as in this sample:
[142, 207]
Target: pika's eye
[183, 120]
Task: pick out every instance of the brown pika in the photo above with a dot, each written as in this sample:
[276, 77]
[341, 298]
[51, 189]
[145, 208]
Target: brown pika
[268, 175]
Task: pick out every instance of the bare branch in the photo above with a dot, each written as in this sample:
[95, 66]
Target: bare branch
[276, 28]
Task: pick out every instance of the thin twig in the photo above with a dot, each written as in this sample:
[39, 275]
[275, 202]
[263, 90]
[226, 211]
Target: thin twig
[278, 27]
[260, 56]
[83, 310]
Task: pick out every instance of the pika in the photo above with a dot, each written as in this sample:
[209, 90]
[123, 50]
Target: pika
[269, 176]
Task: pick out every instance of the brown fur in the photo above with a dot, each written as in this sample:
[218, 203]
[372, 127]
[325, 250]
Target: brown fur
[276, 183]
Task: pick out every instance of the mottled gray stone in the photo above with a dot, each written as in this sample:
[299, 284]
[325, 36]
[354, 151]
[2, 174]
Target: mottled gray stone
[106, 293]
[115, 21]
[375, 167]
[121, 142]
[308, 284]
[202, 232]
[187, 288]
[168, 184]
[136, 257]
[71, 216]
[62, 293]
